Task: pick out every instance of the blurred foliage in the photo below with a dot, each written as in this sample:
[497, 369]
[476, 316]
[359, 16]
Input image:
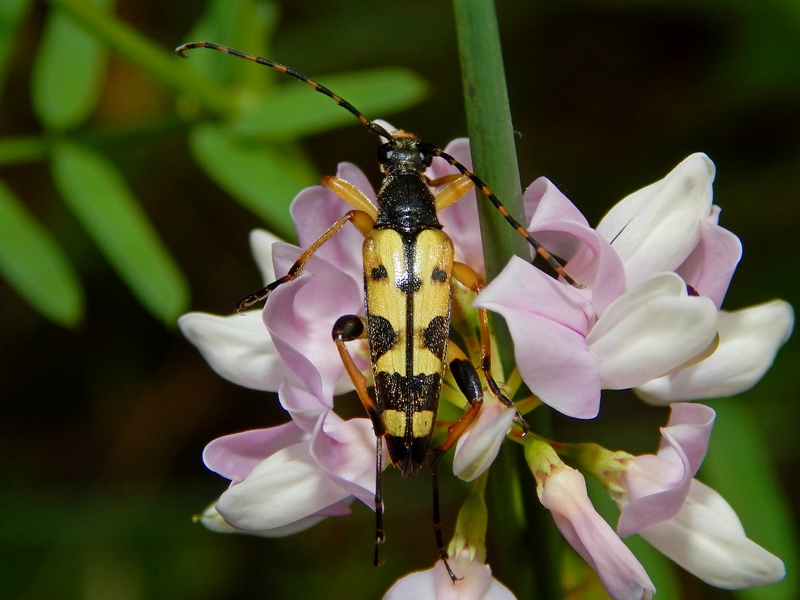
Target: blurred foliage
[107, 222]
[247, 151]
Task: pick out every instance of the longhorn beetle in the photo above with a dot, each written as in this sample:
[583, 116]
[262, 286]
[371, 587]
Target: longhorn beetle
[408, 268]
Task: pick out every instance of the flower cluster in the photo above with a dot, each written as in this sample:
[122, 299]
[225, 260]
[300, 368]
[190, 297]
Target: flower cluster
[655, 271]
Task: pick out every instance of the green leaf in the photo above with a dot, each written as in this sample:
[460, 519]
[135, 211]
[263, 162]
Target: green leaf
[23, 149]
[12, 13]
[264, 178]
[68, 72]
[153, 58]
[100, 199]
[34, 264]
[738, 466]
[294, 110]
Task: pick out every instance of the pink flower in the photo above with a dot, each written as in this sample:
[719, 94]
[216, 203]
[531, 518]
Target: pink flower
[562, 490]
[287, 478]
[299, 316]
[478, 447]
[296, 343]
[477, 583]
[683, 518]
[648, 331]
[640, 322]
[655, 486]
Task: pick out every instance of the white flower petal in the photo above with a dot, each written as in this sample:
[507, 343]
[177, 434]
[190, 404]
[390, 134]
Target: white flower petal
[749, 340]
[650, 331]
[478, 447]
[237, 347]
[213, 521]
[663, 284]
[707, 539]
[286, 487]
[476, 583]
[261, 245]
[657, 227]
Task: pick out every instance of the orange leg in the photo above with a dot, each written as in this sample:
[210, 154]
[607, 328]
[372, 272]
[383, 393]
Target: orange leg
[350, 194]
[467, 277]
[457, 186]
[347, 329]
[363, 222]
[470, 385]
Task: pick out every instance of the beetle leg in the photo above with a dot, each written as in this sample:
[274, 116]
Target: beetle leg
[467, 277]
[541, 250]
[433, 461]
[470, 385]
[350, 194]
[347, 329]
[443, 180]
[360, 219]
[457, 186]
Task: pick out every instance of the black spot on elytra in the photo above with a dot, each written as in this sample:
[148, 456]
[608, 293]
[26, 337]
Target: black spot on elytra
[435, 336]
[408, 394]
[409, 284]
[382, 336]
[439, 275]
[378, 273]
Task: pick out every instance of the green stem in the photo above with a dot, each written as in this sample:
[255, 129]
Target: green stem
[530, 544]
[139, 50]
[491, 137]
[490, 131]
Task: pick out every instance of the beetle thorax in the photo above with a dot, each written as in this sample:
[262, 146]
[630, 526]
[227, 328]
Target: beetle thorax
[405, 203]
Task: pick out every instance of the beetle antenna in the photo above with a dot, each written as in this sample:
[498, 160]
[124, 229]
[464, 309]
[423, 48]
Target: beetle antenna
[370, 125]
[541, 250]
[381, 131]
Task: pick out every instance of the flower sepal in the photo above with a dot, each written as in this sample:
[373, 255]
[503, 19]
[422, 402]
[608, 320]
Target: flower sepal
[607, 466]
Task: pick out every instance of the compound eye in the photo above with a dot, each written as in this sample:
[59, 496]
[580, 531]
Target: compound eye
[426, 154]
[385, 154]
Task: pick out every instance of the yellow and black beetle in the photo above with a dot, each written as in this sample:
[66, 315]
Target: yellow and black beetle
[408, 269]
